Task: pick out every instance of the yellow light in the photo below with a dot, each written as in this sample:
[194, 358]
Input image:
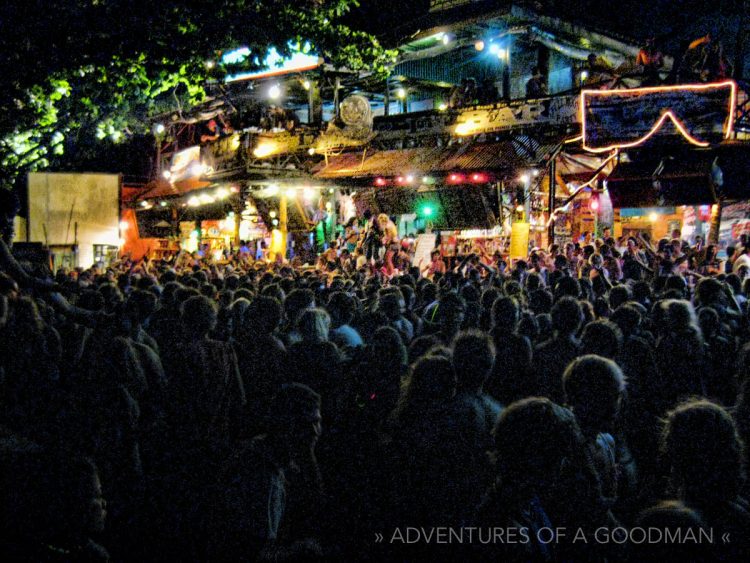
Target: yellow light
[274, 92]
[277, 242]
[479, 45]
[401, 93]
[308, 193]
[464, 128]
[329, 206]
[584, 75]
[234, 143]
[272, 189]
[197, 169]
[653, 217]
[166, 174]
[311, 151]
[519, 208]
[409, 179]
[194, 202]
[306, 84]
[124, 225]
[666, 115]
[162, 203]
[443, 106]
[524, 178]
[272, 214]
[264, 149]
[210, 64]
[222, 193]
[145, 204]
[291, 192]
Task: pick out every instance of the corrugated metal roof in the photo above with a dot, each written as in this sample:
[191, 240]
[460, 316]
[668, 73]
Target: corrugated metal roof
[162, 188]
[503, 156]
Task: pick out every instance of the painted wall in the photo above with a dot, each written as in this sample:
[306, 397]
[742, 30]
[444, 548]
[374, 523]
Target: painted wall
[57, 201]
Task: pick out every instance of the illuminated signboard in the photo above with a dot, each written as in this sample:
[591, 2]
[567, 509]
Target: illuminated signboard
[490, 119]
[619, 119]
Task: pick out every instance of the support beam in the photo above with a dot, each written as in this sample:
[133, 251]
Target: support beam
[336, 100]
[283, 222]
[387, 98]
[551, 204]
[237, 208]
[713, 233]
[311, 102]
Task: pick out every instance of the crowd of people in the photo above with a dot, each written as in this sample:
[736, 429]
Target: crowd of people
[255, 410]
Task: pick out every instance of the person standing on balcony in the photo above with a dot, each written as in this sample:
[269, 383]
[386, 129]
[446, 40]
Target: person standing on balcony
[210, 131]
[650, 60]
[535, 86]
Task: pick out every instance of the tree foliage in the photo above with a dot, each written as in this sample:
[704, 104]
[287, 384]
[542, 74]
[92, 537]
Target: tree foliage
[81, 71]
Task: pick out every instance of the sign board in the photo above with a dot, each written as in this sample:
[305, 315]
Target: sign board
[703, 114]
[69, 209]
[424, 245]
[556, 110]
[735, 221]
[519, 240]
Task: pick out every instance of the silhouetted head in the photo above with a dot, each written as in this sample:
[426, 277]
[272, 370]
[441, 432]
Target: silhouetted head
[702, 453]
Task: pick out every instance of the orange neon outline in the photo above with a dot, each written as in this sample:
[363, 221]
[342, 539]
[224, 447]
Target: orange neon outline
[667, 114]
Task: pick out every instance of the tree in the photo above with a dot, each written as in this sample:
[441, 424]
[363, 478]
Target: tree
[82, 71]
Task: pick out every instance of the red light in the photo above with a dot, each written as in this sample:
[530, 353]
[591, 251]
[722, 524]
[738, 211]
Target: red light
[399, 179]
[478, 177]
[455, 178]
[380, 181]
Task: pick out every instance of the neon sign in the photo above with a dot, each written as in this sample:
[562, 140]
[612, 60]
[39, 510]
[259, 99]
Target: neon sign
[621, 119]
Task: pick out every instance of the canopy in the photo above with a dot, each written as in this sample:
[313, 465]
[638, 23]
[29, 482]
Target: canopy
[504, 158]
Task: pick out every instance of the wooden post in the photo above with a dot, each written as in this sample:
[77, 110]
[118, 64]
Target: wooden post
[387, 99]
[237, 218]
[336, 100]
[713, 233]
[506, 72]
[283, 221]
[334, 215]
[311, 103]
[551, 202]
